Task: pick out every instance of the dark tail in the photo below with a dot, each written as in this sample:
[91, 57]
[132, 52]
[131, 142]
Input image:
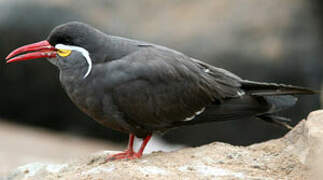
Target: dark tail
[278, 96]
[273, 89]
[261, 100]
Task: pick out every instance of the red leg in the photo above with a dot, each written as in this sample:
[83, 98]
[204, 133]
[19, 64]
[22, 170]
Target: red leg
[130, 143]
[142, 147]
[129, 153]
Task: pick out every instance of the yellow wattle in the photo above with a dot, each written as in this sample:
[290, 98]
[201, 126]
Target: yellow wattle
[64, 52]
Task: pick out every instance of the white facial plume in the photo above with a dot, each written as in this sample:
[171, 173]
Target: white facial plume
[83, 51]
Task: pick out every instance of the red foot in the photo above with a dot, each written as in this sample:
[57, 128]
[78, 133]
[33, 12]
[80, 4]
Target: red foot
[129, 153]
[124, 155]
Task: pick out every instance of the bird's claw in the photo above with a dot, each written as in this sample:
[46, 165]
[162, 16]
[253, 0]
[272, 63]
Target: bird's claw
[124, 155]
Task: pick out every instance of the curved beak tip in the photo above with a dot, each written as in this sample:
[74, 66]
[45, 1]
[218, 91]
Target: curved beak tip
[37, 50]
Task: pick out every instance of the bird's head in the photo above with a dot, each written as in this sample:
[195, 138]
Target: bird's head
[68, 45]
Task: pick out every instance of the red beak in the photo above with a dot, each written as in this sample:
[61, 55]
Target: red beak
[41, 49]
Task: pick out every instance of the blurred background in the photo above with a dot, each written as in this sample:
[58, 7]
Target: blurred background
[273, 41]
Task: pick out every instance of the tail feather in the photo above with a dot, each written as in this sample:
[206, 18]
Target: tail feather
[276, 120]
[261, 100]
[278, 96]
[273, 89]
[278, 103]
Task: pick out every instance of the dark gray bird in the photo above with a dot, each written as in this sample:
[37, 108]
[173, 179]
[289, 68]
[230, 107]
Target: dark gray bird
[140, 88]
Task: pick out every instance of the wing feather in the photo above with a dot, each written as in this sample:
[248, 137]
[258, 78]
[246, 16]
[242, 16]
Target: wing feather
[155, 88]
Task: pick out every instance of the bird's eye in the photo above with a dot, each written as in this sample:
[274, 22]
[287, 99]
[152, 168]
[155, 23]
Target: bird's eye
[64, 52]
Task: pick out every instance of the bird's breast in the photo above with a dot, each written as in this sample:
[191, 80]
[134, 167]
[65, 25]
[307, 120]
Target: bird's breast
[89, 96]
[84, 95]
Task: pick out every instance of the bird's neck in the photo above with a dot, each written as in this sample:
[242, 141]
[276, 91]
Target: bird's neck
[118, 47]
[74, 72]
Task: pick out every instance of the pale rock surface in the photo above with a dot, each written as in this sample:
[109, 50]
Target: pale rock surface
[298, 155]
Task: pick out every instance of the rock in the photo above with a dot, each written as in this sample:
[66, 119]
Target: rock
[314, 156]
[295, 156]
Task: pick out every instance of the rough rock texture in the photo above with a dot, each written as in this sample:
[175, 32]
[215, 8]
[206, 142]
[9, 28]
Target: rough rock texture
[296, 156]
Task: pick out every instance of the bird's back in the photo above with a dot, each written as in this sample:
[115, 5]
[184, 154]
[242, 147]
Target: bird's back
[148, 88]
